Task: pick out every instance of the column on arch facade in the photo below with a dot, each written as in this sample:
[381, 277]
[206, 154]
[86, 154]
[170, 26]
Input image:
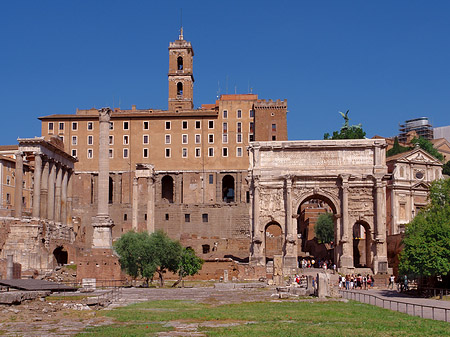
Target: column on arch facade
[346, 259]
[257, 251]
[290, 258]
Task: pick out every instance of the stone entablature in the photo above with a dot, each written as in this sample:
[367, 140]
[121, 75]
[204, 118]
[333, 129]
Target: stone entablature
[348, 174]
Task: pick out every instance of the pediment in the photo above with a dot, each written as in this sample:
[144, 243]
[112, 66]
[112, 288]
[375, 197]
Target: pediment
[419, 156]
[421, 186]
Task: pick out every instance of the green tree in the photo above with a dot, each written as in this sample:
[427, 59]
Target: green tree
[446, 168]
[397, 148]
[324, 228]
[189, 264]
[347, 132]
[141, 254]
[426, 243]
[426, 145]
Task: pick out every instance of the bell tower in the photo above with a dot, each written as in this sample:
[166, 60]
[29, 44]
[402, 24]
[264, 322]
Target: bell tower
[181, 77]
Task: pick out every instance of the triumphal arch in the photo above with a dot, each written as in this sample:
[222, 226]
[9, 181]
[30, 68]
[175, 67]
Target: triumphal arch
[348, 175]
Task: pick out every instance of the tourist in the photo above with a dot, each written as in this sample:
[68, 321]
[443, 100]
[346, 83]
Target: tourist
[391, 282]
[365, 282]
[347, 282]
[372, 281]
[369, 281]
[405, 283]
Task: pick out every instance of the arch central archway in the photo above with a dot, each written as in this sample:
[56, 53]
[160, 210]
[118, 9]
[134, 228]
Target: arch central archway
[308, 212]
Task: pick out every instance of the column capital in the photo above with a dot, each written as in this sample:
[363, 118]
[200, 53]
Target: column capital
[104, 114]
[19, 153]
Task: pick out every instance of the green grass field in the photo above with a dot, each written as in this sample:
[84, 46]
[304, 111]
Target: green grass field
[307, 318]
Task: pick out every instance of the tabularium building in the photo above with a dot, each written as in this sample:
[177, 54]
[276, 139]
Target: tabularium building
[182, 170]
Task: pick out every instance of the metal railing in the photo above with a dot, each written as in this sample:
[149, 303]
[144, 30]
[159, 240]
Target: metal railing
[424, 311]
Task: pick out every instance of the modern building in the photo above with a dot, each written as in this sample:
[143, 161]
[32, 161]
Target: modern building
[421, 126]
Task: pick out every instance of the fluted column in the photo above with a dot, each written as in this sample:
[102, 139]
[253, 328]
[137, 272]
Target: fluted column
[18, 185]
[37, 185]
[346, 242]
[69, 197]
[257, 251]
[59, 173]
[63, 213]
[102, 236]
[380, 259]
[290, 258]
[134, 217]
[51, 191]
[44, 190]
[150, 205]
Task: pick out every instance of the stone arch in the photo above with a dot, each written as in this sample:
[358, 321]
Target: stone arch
[167, 188]
[321, 203]
[228, 188]
[273, 240]
[61, 255]
[362, 244]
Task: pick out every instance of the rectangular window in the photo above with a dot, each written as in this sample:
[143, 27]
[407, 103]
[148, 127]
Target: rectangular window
[167, 216]
[8, 198]
[167, 139]
[225, 114]
[252, 113]
[274, 137]
[224, 152]
[211, 138]
[211, 178]
[184, 125]
[126, 126]
[198, 139]
[167, 150]
[168, 125]
[146, 125]
[74, 126]
[50, 127]
[74, 140]
[239, 113]
[239, 138]
[111, 140]
[8, 180]
[90, 126]
[252, 127]
[111, 125]
[224, 127]
[90, 140]
[274, 127]
[90, 153]
[184, 139]
[210, 152]
[74, 153]
[198, 125]
[111, 153]
[184, 152]
[239, 127]
[210, 124]
[145, 153]
[125, 153]
[205, 217]
[197, 152]
[61, 126]
[251, 137]
[125, 140]
[187, 218]
[239, 152]
[224, 138]
[145, 139]
[62, 138]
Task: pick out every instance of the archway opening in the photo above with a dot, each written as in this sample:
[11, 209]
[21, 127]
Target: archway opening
[180, 89]
[315, 210]
[273, 241]
[167, 188]
[228, 188]
[180, 63]
[362, 257]
[60, 255]
[111, 190]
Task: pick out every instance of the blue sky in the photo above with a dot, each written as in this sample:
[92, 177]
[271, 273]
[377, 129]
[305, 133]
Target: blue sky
[386, 61]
